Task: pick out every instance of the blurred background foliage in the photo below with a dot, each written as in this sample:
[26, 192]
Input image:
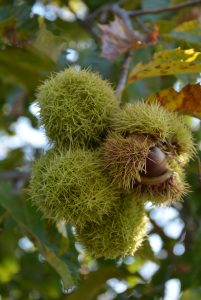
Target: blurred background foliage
[37, 259]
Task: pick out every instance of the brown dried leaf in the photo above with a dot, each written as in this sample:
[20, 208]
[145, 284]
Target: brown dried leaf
[187, 101]
[117, 38]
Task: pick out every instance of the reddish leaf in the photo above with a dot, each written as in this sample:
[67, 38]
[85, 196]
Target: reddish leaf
[117, 38]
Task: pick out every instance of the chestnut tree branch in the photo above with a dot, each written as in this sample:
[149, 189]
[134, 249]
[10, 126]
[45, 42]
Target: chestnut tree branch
[124, 74]
[115, 8]
[136, 13]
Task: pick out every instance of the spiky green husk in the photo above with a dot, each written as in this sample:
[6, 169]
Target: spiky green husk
[154, 120]
[125, 161]
[125, 157]
[165, 193]
[76, 107]
[143, 118]
[119, 234]
[181, 139]
[71, 186]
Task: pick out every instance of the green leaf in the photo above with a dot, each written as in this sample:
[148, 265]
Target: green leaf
[187, 35]
[31, 223]
[168, 62]
[24, 66]
[189, 31]
[165, 26]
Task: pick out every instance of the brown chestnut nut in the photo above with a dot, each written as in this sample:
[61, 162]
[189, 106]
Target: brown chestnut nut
[156, 163]
[156, 168]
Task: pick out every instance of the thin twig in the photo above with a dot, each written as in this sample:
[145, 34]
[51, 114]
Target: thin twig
[136, 13]
[142, 26]
[115, 8]
[105, 9]
[124, 75]
[122, 13]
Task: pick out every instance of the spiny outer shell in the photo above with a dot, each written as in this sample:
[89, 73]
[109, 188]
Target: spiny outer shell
[71, 186]
[165, 193]
[125, 157]
[154, 120]
[119, 234]
[144, 118]
[76, 107]
[181, 138]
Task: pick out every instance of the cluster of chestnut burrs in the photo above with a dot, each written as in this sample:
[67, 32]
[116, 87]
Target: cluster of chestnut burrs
[106, 161]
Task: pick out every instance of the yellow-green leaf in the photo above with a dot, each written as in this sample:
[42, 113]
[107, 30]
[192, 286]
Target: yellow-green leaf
[186, 35]
[168, 62]
[189, 31]
[186, 101]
